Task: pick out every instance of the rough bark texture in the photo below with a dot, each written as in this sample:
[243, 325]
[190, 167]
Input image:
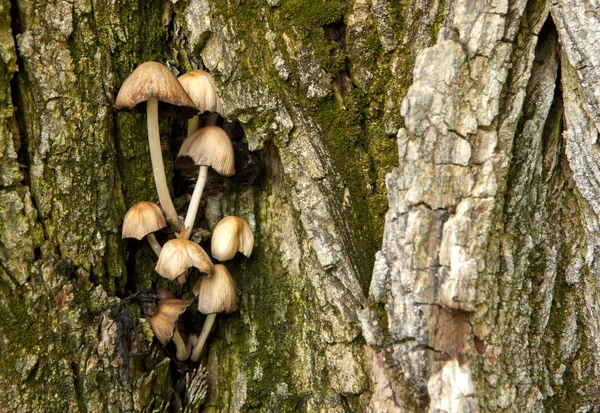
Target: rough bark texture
[488, 276]
[484, 294]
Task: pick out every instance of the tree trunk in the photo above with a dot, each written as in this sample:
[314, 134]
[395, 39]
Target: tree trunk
[483, 296]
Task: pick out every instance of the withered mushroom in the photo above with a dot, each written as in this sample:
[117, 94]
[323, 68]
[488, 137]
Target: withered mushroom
[178, 255]
[216, 294]
[150, 83]
[163, 316]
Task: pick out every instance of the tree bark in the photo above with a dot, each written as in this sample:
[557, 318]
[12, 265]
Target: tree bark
[483, 115]
[487, 274]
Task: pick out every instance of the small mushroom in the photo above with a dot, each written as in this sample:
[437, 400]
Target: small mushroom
[208, 146]
[150, 83]
[216, 294]
[141, 221]
[178, 255]
[163, 317]
[231, 235]
[200, 87]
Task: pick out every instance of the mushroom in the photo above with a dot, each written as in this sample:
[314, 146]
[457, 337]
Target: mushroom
[152, 82]
[178, 255]
[200, 87]
[208, 146]
[216, 294]
[162, 314]
[231, 235]
[191, 342]
[141, 221]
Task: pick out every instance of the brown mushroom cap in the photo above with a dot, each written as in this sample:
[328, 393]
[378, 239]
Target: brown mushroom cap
[210, 146]
[152, 79]
[231, 235]
[163, 322]
[216, 293]
[201, 88]
[163, 295]
[142, 219]
[178, 255]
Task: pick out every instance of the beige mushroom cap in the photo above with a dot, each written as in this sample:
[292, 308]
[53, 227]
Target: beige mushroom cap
[152, 79]
[216, 293]
[142, 219]
[212, 147]
[231, 235]
[164, 321]
[178, 255]
[201, 88]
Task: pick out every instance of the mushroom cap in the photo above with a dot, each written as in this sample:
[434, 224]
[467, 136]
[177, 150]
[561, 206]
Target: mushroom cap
[177, 255]
[163, 322]
[163, 294]
[231, 235]
[216, 293]
[152, 79]
[210, 146]
[142, 219]
[201, 88]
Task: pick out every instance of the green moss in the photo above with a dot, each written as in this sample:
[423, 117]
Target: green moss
[362, 154]
[37, 331]
[17, 323]
[382, 317]
[146, 37]
[280, 308]
[307, 16]
[535, 11]
[134, 159]
[352, 127]
[554, 225]
[439, 20]
[567, 396]
[571, 393]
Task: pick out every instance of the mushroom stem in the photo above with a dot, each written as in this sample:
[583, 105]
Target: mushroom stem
[208, 323]
[154, 244]
[212, 119]
[158, 167]
[191, 343]
[190, 217]
[182, 351]
[193, 124]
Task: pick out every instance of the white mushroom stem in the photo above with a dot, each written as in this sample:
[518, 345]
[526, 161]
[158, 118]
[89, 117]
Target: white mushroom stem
[190, 217]
[192, 340]
[158, 167]
[154, 244]
[182, 351]
[208, 323]
[193, 124]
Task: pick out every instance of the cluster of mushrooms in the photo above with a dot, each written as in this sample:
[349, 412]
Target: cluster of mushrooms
[153, 85]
